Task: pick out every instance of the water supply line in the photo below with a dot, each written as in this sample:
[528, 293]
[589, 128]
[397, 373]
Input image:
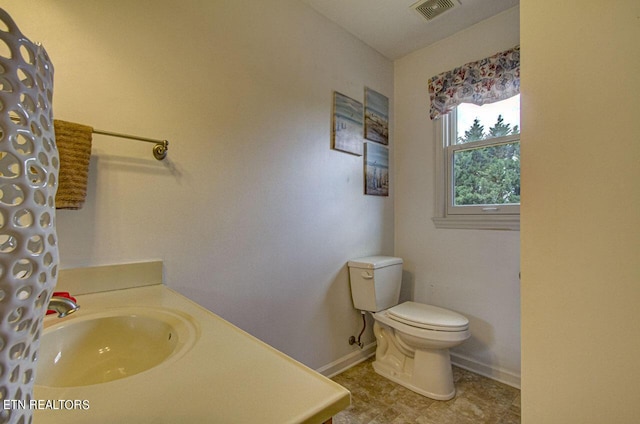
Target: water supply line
[352, 339]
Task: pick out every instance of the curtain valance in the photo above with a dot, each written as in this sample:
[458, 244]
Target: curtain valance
[485, 81]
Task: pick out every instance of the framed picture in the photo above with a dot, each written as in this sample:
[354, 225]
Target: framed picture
[376, 116]
[347, 124]
[376, 170]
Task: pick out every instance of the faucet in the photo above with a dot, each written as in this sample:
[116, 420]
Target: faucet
[63, 306]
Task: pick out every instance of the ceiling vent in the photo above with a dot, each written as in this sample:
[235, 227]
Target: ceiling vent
[430, 9]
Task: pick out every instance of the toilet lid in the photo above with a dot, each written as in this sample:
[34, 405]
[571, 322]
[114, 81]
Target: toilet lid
[427, 316]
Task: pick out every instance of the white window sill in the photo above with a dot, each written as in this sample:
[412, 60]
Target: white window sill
[475, 222]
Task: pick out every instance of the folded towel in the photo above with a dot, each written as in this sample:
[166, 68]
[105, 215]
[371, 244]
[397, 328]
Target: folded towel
[74, 146]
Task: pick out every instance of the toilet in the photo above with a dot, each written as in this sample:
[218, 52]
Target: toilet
[413, 339]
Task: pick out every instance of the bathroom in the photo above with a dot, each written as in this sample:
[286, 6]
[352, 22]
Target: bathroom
[253, 214]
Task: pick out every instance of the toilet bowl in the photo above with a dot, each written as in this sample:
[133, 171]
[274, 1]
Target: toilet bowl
[413, 339]
[416, 355]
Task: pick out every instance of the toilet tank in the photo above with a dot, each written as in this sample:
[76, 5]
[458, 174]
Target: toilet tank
[375, 282]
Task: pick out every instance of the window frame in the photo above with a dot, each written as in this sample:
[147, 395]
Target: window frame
[506, 217]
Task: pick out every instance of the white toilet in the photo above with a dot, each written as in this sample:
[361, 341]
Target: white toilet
[413, 338]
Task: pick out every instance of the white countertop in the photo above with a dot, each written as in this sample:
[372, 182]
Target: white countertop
[228, 376]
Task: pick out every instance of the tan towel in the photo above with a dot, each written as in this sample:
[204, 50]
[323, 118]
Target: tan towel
[74, 146]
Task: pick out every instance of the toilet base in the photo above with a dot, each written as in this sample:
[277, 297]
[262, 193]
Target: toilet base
[425, 371]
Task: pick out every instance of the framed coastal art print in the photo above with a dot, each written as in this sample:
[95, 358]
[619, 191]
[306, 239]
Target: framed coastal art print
[376, 170]
[376, 116]
[347, 124]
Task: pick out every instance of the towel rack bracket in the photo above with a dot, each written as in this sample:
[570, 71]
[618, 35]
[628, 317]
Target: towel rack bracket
[160, 150]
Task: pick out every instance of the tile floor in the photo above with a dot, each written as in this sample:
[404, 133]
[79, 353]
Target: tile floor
[376, 400]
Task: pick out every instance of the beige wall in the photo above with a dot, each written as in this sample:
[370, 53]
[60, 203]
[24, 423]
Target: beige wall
[580, 211]
[474, 272]
[253, 214]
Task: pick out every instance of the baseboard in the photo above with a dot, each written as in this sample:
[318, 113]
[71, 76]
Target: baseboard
[498, 374]
[348, 361]
[355, 357]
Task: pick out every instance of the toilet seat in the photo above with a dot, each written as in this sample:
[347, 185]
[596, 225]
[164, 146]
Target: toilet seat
[428, 317]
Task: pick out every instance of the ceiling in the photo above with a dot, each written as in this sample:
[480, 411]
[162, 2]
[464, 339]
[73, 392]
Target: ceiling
[394, 29]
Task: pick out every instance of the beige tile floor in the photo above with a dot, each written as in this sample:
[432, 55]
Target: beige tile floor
[376, 400]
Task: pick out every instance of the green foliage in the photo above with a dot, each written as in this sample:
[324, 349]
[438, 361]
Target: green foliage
[475, 133]
[487, 175]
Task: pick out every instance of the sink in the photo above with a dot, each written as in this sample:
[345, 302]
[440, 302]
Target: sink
[99, 347]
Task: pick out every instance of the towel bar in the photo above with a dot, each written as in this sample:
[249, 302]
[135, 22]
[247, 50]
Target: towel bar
[159, 150]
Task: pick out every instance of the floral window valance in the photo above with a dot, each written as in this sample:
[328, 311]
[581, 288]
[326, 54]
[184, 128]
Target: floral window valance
[485, 81]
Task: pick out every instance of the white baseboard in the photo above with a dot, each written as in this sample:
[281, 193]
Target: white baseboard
[355, 357]
[498, 374]
[348, 361]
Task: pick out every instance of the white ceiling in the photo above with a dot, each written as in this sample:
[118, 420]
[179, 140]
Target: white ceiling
[394, 29]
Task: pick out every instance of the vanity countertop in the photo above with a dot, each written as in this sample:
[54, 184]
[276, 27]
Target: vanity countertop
[228, 376]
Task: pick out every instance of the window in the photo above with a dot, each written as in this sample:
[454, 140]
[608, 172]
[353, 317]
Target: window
[479, 166]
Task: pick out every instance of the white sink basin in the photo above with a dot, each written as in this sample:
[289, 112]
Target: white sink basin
[94, 348]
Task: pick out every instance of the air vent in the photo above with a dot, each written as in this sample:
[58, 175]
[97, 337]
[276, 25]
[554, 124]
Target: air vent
[431, 8]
